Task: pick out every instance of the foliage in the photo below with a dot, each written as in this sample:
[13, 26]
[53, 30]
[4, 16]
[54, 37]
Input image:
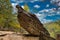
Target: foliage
[7, 18]
[53, 28]
[26, 8]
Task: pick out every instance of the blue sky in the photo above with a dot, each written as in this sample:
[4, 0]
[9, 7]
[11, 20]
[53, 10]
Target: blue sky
[45, 10]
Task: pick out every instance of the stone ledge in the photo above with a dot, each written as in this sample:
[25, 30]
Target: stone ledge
[18, 37]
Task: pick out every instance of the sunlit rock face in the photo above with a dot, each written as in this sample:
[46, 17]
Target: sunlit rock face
[30, 22]
[8, 35]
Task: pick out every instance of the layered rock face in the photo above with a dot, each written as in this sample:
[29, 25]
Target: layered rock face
[5, 35]
[32, 24]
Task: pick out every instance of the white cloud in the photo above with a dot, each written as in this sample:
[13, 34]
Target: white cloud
[14, 4]
[47, 5]
[42, 0]
[13, 0]
[14, 7]
[38, 14]
[41, 17]
[22, 7]
[58, 4]
[32, 1]
[58, 13]
[27, 0]
[37, 6]
[56, 1]
[18, 1]
[51, 14]
[46, 21]
[46, 12]
[21, 1]
[36, 0]
[39, 0]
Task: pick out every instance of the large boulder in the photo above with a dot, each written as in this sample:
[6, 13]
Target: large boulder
[30, 22]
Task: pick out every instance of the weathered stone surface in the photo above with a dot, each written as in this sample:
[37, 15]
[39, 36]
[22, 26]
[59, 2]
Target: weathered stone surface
[14, 36]
[5, 35]
[58, 36]
[30, 22]
[22, 37]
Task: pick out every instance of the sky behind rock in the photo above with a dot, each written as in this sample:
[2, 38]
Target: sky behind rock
[45, 10]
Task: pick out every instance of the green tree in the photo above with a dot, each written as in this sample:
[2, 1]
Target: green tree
[26, 8]
[5, 11]
[53, 28]
[7, 18]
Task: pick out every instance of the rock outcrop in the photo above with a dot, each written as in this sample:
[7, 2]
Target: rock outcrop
[32, 24]
[6, 35]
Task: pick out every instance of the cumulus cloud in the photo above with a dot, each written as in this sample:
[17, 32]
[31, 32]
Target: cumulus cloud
[58, 13]
[14, 4]
[38, 0]
[46, 12]
[22, 7]
[32, 1]
[13, 0]
[56, 1]
[14, 7]
[41, 17]
[47, 5]
[18, 1]
[46, 21]
[37, 6]
[49, 12]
